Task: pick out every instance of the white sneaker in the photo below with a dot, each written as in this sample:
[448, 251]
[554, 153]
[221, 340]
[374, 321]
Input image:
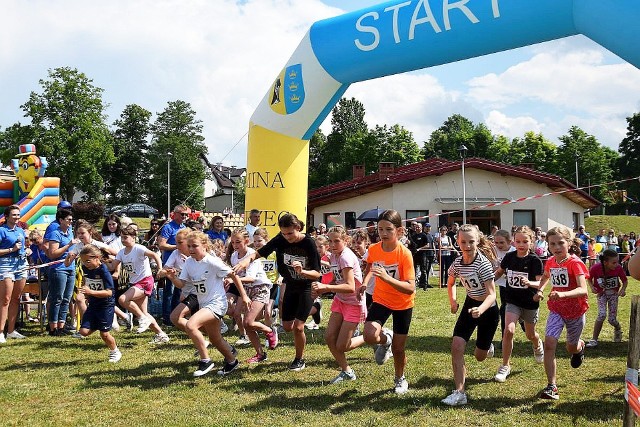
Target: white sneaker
[503, 373]
[591, 344]
[344, 376]
[243, 340]
[311, 325]
[16, 335]
[143, 324]
[115, 356]
[538, 352]
[223, 328]
[401, 385]
[115, 325]
[491, 351]
[78, 335]
[2, 339]
[383, 351]
[457, 398]
[159, 339]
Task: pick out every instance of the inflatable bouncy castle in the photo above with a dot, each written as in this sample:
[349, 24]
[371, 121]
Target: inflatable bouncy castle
[36, 195]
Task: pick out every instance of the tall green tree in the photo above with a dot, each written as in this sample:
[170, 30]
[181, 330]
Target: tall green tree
[317, 167]
[534, 148]
[394, 144]
[11, 138]
[126, 180]
[596, 164]
[629, 150]
[457, 130]
[177, 131]
[69, 129]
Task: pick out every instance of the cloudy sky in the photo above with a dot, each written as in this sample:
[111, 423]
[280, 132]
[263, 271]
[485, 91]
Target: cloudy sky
[221, 56]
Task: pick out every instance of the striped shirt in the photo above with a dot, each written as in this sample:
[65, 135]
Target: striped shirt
[473, 275]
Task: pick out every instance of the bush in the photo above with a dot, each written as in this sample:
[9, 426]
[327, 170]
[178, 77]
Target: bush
[89, 211]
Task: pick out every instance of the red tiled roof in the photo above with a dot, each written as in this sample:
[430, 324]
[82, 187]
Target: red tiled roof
[434, 167]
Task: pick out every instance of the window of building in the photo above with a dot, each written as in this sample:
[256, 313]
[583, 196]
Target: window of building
[524, 217]
[350, 220]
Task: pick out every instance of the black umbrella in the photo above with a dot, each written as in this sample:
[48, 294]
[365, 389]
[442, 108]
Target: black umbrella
[370, 215]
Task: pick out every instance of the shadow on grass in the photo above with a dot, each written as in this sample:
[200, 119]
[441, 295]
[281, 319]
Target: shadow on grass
[594, 410]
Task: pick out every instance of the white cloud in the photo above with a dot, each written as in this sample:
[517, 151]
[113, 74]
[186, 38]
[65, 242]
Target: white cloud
[511, 127]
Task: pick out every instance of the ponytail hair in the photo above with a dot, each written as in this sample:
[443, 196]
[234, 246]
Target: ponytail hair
[290, 220]
[607, 254]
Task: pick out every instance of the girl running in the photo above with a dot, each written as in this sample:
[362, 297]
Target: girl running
[391, 264]
[260, 238]
[567, 303]
[135, 259]
[475, 270]
[256, 285]
[347, 309]
[322, 244]
[299, 265]
[188, 298]
[97, 286]
[502, 243]
[523, 271]
[604, 281]
[206, 272]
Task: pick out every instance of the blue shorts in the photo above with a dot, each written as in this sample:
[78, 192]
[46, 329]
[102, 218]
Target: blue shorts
[9, 266]
[98, 318]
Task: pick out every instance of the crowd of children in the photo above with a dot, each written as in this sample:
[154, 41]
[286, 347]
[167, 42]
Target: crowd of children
[254, 279]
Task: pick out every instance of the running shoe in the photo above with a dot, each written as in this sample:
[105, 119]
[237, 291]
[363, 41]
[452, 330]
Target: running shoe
[383, 351]
[312, 325]
[243, 340]
[297, 365]
[143, 324]
[617, 335]
[577, 358]
[223, 328]
[503, 373]
[456, 398]
[15, 335]
[401, 385]
[114, 356]
[344, 376]
[2, 338]
[591, 343]
[228, 367]
[204, 367]
[550, 392]
[491, 352]
[160, 338]
[258, 358]
[272, 340]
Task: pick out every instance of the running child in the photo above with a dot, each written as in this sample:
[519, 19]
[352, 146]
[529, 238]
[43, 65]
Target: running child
[135, 260]
[523, 271]
[502, 243]
[256, 285]
[475, 270]
[299, 265]
[98, 287]
[188, 299]
[360, 246]
[322, 243]
[260, 238]
[391, 264]
[567, 303]
[347, 309]
[604, 281]
[206, 272]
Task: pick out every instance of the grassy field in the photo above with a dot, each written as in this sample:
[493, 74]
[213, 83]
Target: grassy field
[620, 223]
[47, 381]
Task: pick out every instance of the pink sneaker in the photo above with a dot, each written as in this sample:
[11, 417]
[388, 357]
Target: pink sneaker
[272, 339]
[258, 358]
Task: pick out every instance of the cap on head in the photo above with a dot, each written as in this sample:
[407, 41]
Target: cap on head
[64, 205]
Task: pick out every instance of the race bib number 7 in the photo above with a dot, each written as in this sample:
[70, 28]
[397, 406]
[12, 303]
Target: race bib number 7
[559, 277]
[392, 270]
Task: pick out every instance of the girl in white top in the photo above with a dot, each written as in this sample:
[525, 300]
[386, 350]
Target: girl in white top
[207, 272]
[347, 309]
[135, 259]
[256, 285]
[188, 300]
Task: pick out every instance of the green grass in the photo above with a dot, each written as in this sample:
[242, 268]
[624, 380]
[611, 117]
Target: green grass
[47, 381]
[620, 223]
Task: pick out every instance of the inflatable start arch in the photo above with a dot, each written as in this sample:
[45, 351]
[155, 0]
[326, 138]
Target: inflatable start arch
[395, 37]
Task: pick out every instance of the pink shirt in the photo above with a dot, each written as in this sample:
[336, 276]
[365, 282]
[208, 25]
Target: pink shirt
[347, 259]
[609, 281]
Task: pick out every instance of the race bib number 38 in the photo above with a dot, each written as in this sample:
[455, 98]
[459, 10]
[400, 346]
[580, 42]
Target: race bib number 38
[559, 277]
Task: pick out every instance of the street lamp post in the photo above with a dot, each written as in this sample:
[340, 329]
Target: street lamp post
[577, 158]
[169, 154]
[463, 153]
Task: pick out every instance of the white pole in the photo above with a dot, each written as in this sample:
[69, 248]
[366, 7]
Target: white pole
[169, 184]
[464, 196]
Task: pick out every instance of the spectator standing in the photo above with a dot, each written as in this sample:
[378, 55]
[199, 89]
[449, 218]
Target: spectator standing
[612, 240]
[584, 247]
[254, 223]
[216, 229]
[167, 244]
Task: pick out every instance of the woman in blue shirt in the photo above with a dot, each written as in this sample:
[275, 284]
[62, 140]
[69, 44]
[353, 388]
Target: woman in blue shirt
[13, 271]
[216, 229]
[61, 277]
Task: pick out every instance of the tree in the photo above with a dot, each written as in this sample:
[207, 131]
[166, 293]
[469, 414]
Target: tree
[535, 149]
[394, 144]
[456, 131]
[239, 194]
[126, 180]
[177, 131]
[69, 129]
[629, 150]
[596, 164]
[13, 137]
[317, 167]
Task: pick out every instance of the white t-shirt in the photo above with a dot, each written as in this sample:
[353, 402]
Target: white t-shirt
[502, 280]
[255, 270]
[135, 262]
[113, 241]
[80, 246]
[251, 229]
[207, 277]
[347, 259]
[176, 261]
